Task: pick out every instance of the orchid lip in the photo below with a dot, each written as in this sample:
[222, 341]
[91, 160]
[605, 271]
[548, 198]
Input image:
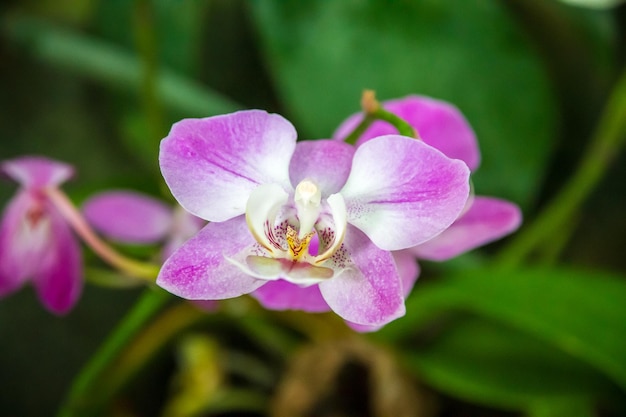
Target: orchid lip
[33, 236]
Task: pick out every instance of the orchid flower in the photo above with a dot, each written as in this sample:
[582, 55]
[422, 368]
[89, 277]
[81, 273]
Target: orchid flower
[442, 126]
[131, 217]
[267, 198]
[484, 219]
[36, 242]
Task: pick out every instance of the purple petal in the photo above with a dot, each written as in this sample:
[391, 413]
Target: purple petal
[326, 162]
[35, 242]
[283, 295]
[370, 292]
[486, 220]
[440, 124]
[16, 250]
[211, 165]
[408, 269]
[128, 216]
[409, 272]
[402, 192]
[363, 328]
[58, 280]
[198, 270]
[37, 171]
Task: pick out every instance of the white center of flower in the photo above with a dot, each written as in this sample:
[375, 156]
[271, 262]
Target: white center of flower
[284, 231]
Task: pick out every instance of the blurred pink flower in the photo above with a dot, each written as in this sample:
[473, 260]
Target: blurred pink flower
[36, 242]
[132, 217]
[442, 126]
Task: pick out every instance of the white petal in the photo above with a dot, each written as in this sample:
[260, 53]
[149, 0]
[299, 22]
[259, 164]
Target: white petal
[340, 221]
[261, 210]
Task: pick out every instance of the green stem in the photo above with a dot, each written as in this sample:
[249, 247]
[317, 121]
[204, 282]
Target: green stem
[404, 128]
[372, 111]
[359, 130]
[79, 397]
[140, 350]
[142, 334]
[132, 267]
[146, 41]
[603, 148]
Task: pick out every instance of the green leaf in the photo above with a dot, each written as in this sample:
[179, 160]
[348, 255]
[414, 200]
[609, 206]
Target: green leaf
[580, 313]
[594, 4]
[497, 365]
[178, 26]
[569, 408]
[111, 65]
[111, 279]
[324, 53]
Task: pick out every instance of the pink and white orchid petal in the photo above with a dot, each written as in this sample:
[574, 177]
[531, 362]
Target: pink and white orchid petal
[368, 292]
[408, 269]
[363, 328]
[487, 219]
[283, 295]
[199, 270]
[37, 171]
[326, 162]
[402, 192]
[18, 254]
[409, 272]
[212, 165]
[58, 280]
[440, 124]
[261, 209]
[128, 216]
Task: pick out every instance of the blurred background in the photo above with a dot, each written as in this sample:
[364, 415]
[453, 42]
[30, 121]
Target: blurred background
[98, 83]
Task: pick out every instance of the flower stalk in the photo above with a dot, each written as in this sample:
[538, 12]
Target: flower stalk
[147, 47]
[79, 398]
[373, 111]
[129, 266]
[604, 146]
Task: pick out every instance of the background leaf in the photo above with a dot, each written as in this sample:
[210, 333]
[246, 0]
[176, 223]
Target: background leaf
[323, 54]
[580, 313]
[111, 65]
[492, 363]
[179, 27]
